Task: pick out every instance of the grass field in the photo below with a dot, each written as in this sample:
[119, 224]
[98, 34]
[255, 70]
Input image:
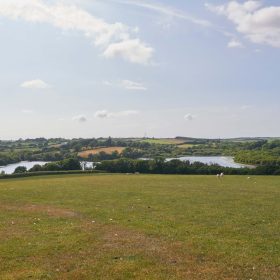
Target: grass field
[164, 141]
[107, 150]
[140, 227]
[185, 146]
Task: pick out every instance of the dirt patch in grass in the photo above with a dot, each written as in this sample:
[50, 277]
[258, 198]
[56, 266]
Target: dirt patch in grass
[172, 259]
[23, 274]
[43, 209]
[112, 251]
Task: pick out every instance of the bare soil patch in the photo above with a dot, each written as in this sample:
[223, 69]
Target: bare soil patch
[44, 209]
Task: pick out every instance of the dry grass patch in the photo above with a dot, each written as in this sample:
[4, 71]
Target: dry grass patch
[107, 150]
[185, 146]
[171, 259]
[43, 209]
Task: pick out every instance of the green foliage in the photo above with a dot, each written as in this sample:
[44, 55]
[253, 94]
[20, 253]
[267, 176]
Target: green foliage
[256, 151]
[66, 164]
[103, 156]
[266, 154]
[160, 166]
[20, 169]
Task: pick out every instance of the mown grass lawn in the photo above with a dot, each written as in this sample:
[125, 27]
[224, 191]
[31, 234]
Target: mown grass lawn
[140, 227]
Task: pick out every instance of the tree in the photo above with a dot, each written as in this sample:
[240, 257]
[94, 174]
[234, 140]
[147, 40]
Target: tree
[109, 142]
[20, 169]
[36, 168]
[71, 164]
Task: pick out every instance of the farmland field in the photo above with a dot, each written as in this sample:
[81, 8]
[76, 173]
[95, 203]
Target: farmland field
[107, 150]
[185, 146]
[164, 141]
[140, 227]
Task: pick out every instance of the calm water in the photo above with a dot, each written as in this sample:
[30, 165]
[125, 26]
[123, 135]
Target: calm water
[222, 161]
[9, 169]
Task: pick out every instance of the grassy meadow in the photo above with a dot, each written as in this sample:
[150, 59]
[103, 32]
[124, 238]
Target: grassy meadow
[140, 227]
[164, 141]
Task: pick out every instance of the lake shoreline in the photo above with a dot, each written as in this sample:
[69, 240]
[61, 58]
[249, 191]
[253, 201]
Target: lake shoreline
[223, 161]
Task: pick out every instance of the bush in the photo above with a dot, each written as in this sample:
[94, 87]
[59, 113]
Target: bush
[63, 165]
[20, 169]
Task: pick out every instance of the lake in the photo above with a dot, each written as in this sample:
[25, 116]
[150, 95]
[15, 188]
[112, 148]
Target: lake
[9, 169]
[220, 160]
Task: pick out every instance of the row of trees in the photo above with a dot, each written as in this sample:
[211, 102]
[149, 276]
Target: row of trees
[29, 155]
[256, 152]
[161, 166]
[258, 157]
[157, 166]
[63, 165]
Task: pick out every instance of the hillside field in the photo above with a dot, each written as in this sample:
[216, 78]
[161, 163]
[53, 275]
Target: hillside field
[107, 150]
[140, 227]
[164, 141]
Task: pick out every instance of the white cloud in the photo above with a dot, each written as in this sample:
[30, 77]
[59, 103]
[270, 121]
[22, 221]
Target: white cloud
[167, 11]
[108, 83]
[246, 107]
[103, 114]
[233, 43]
[131, 50]
[130, 85]
[114, 39]
[80, 118]
[259, 24]
[35, 84]
[189, 117]
[125, 113]
[127, 85]
[26, 111]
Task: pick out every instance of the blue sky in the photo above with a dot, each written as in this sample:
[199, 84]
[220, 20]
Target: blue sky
[132, 68]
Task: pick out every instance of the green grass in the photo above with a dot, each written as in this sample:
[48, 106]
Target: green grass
[185, 146]
[163, 141]
[140, 227]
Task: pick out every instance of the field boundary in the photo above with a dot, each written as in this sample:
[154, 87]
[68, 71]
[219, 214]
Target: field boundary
[49, 173]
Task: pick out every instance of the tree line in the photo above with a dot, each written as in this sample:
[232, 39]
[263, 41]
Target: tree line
[63, 165]
[160, 166]
[157, 166]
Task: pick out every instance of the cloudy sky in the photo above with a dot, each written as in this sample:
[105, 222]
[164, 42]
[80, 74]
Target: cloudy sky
[90, 68]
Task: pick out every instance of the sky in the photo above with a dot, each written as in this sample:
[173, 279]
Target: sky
[133, 68]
